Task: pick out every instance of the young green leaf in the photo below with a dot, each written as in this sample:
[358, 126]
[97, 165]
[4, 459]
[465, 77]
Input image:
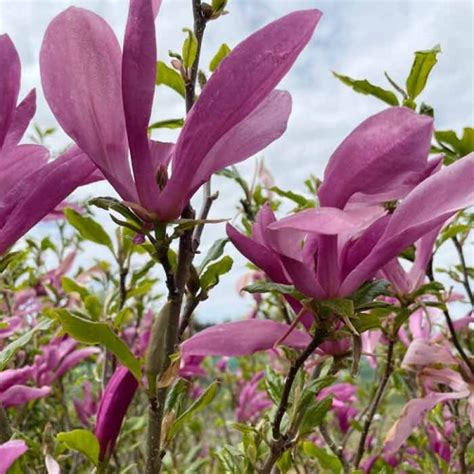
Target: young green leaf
[197, 406]
[91, 332]
[268, 286]
[167, 76]
[190, 46]
[222, 52]
[170, 123]
[82, 441]
[315, 415]
[420, 70]
[328, 461]
[339, 306]
[210, 277]
[365, 87]
[216, 251]
[88, 228]
[70, 286]
[11, 349]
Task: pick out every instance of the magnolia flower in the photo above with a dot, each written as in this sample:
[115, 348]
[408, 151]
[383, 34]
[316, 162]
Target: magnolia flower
[251, 402]
[330, 251]
[58, 357]
[30, 187]
[102, 97]
[344, 398]
[87, 406]
[13, 388]
[10, 452]
[425, 358]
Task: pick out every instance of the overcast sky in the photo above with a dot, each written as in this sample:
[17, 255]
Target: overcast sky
[360, 38]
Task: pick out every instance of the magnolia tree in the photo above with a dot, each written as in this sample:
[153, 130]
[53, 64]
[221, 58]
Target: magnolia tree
[351, 359]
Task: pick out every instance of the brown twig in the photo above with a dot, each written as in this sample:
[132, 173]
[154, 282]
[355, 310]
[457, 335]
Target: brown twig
[465, 274]
[376, 401]
[281, 441]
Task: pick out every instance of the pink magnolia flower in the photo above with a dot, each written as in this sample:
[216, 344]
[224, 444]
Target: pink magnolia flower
[425, 357]
[86, 407]
[13, 388]
[344, 398]
[102, 97]
[30, 187]
[252, 401]
[10, 452]
[330, 251]
[58, 357]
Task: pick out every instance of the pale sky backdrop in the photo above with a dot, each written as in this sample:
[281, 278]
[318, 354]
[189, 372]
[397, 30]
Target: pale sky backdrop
[360, 38]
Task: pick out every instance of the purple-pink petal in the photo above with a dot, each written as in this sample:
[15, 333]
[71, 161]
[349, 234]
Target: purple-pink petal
[10, 70]
[21, 394]
[242, 338]
[21, 119]
[379, 155]
[80, 63]
[138, 86]
[427, 207]
[114, 403]
[10, 452]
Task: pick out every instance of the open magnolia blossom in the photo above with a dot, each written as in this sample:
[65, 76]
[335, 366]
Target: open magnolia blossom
[425, 358]
[330, 251]
[30, 185]
[103, 97]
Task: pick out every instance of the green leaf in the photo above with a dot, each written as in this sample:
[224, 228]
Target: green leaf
[300, 200]
[11, 349]
[368, 292]
[273, 384]
[420, 70]
[285, 462]
[91, 332]
[467, 141]
[190, 46]
[227, 461]
[167, 76]
[70, 286]
[170, 123]
[328, 461]
[218, 5]
[216, 251]
[93, 307]
[222, 52]
[210, 277]
[269, 286]
[339, 306]
[315, 415]
[83, 441]
[10, 258]
[197, 406]
[88, 228]
[365, 87]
